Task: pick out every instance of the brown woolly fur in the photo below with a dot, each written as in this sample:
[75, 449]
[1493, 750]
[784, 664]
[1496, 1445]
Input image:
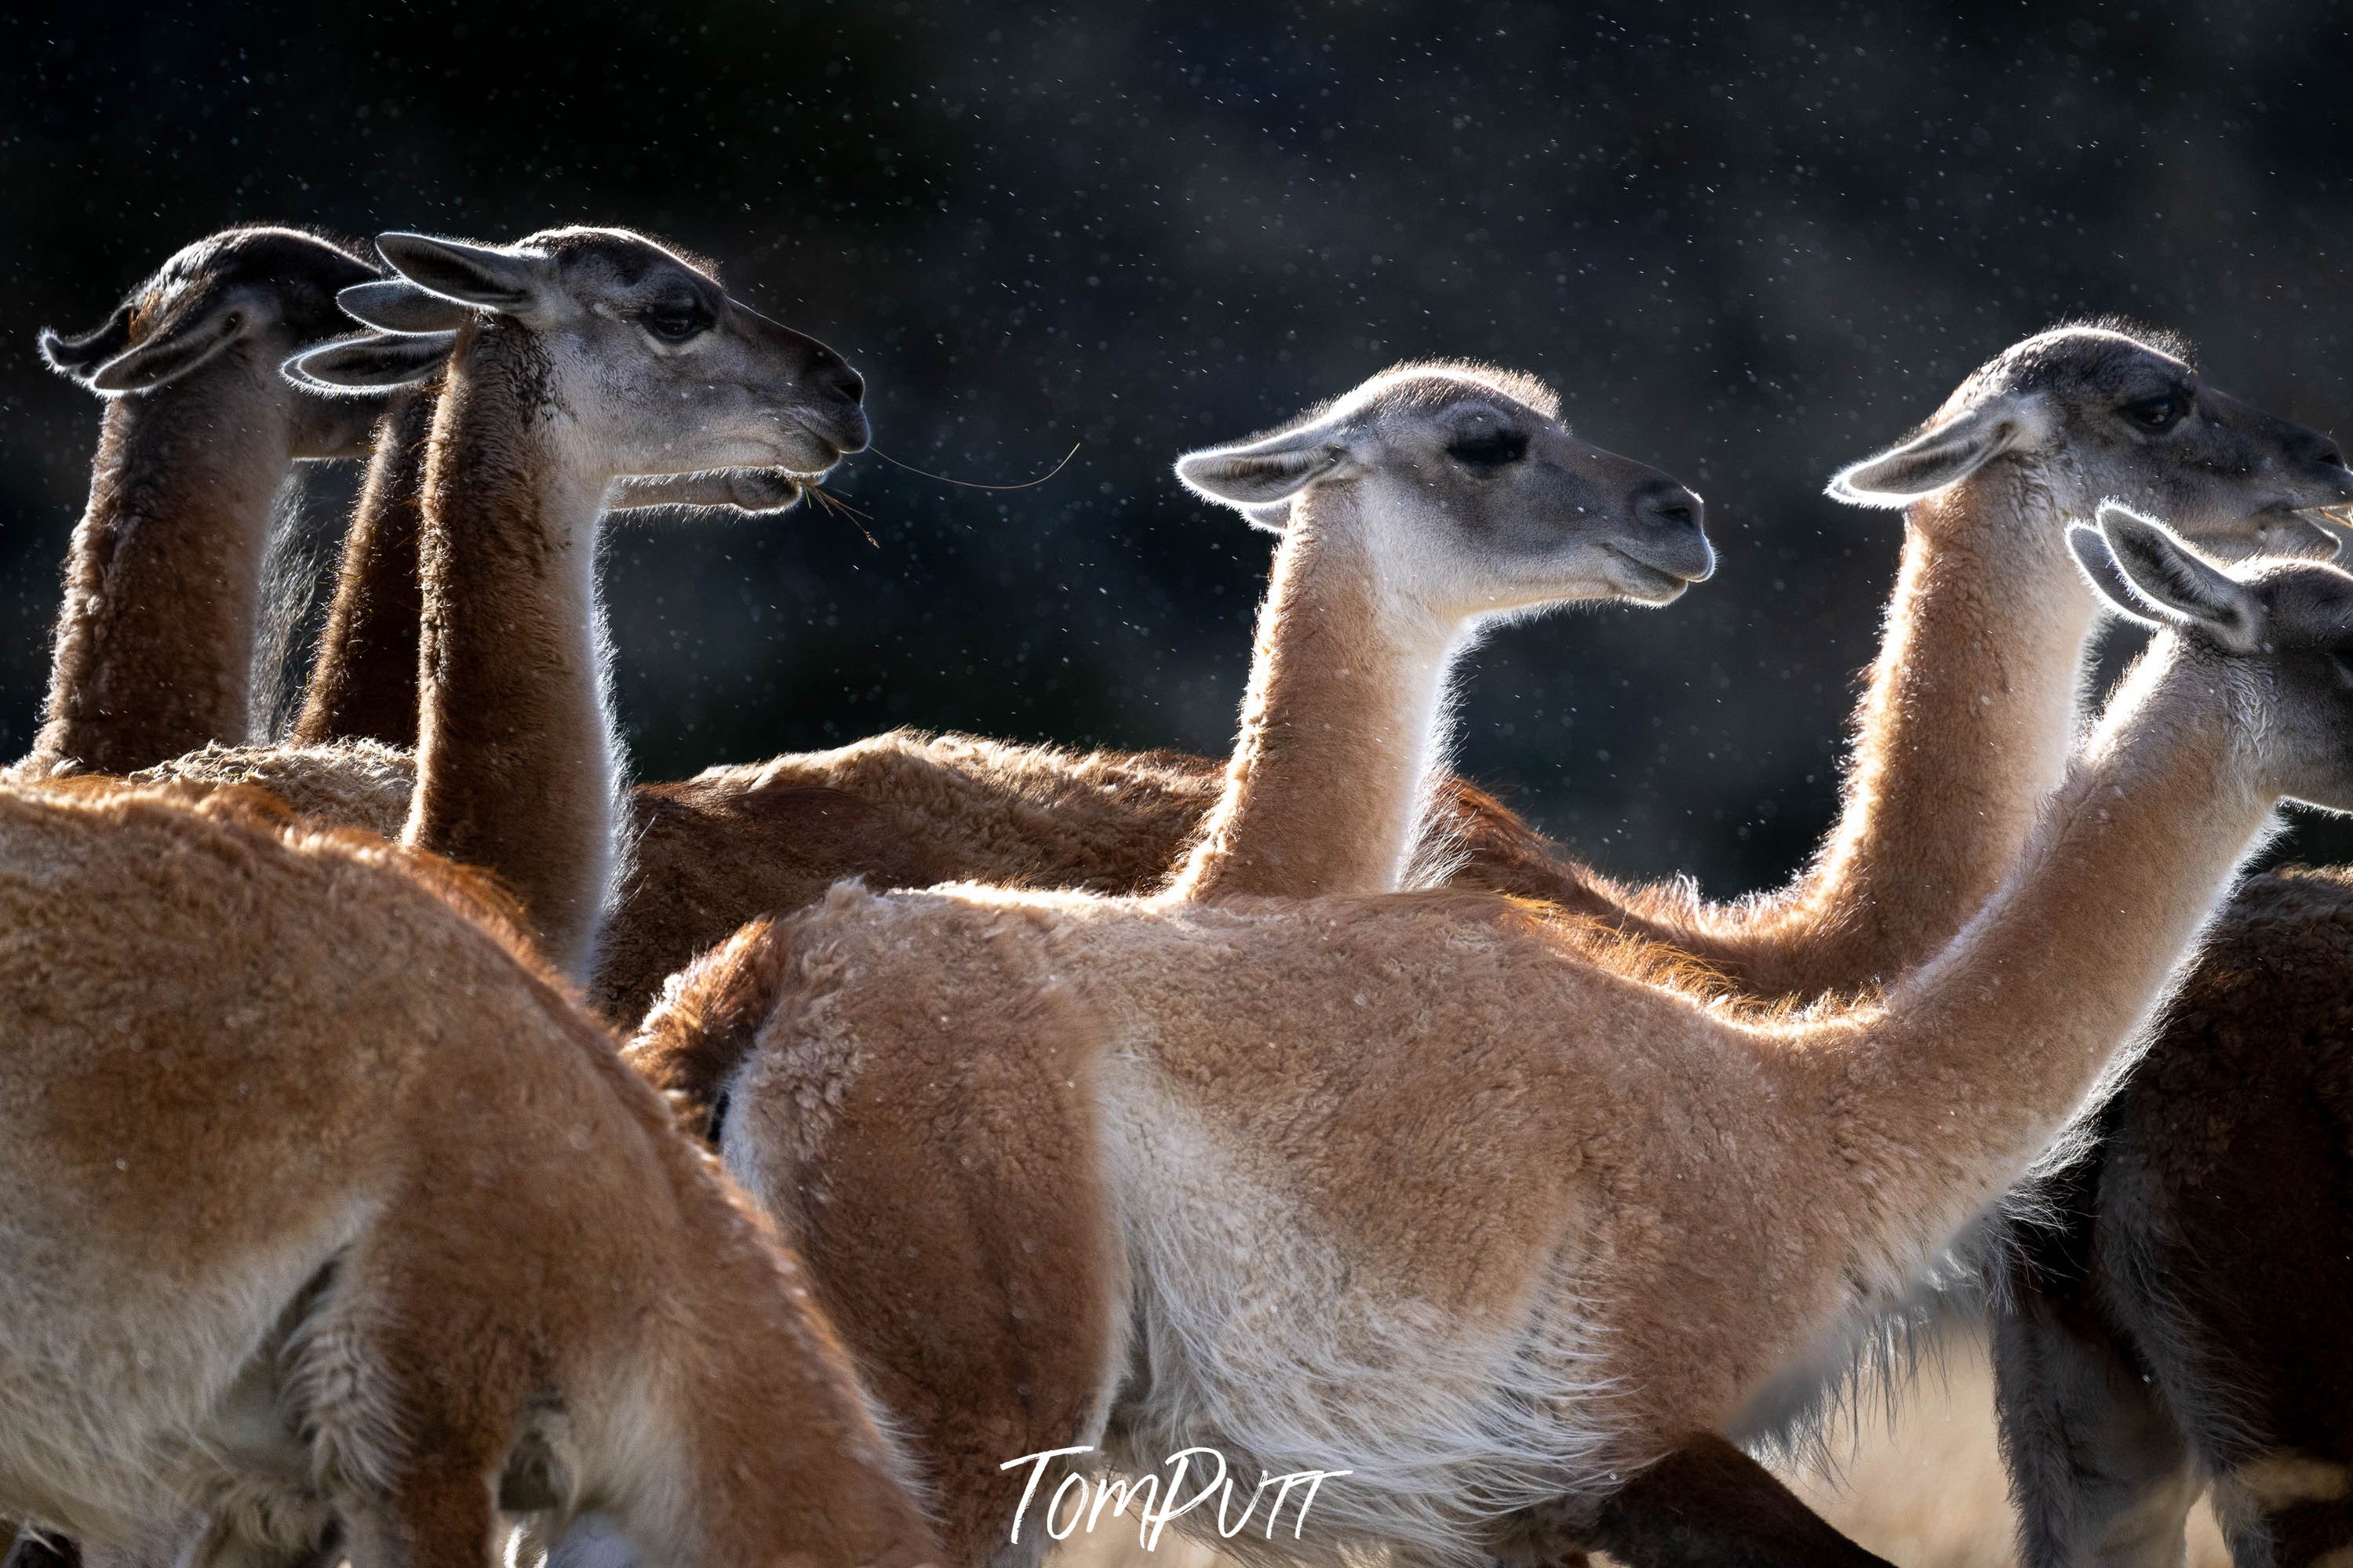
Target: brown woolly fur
[552, 392]
[1961, 730]
[1966, 716]
[726, 847]
[1966, 722]
[1393, 551]
[555, 385]
[709, 1019]
[1035, 1351]
[358, 784]
[2176, 1297]
[1426, 505]
[156, 636]
[363, 683]
[1307, 1114]
[329, 1214]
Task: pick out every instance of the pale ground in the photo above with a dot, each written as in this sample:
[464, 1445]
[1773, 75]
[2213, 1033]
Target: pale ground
[1928, 1494]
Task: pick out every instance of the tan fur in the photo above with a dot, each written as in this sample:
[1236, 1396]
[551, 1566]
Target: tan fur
[323, 1199]
[359, 784]
[1326, 780]
[515, 768]
[1396, 552]
[1962, 727]
[362, 685]
[538, 411]
[1414, 1186]
[1969, 702]
[155, 634]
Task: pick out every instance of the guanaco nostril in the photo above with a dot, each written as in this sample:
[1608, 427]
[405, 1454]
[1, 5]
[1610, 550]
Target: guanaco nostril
[843, 382]
[1670, 506]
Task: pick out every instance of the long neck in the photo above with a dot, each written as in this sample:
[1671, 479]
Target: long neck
[515, 767]
[1981, 1055]
[1963, 729]
[1340, 725]
[153, 653]
[363, 684]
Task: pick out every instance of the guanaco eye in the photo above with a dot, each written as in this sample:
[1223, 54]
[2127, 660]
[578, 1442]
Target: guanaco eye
[673, 325]
[1488, 448]
[2162, 412]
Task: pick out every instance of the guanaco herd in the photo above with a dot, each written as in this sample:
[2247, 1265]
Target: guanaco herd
[424, 1147]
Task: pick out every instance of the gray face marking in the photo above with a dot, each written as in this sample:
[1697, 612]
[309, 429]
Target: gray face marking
[1508, 486]
[1471, 494]
[662, 367]
[2138, 423]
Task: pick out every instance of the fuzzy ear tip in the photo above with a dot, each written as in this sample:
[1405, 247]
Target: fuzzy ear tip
[1844, 487]
[52, 345]
[2114, 513]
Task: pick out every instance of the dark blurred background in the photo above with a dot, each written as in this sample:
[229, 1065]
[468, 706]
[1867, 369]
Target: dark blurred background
[1747, 247]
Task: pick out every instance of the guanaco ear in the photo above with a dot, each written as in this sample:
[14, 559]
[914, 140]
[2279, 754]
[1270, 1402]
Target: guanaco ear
[76, 357]
[1939, 455]
[1258, 477]
[177, 347]
[396, 305]
[372, 362]
[2179, 586]
[488, 279]
[2099, 564]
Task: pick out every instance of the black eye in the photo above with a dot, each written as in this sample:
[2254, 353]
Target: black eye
[673, 324]
[1488, 448]
[2162, 412]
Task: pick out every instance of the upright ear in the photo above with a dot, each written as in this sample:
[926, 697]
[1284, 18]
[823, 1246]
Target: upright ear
[2181, 587]
[396, 305]
[76, 357]
[177, 347]
[2099, 564]
[1942, 455]
[1259, 478]
[478, 275]
[372, 362]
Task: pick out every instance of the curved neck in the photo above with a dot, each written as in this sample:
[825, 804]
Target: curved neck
[153, 651]
[515, 767]
[1340, 727]
[1945, 1098]
[1963, 729]
[362, 685]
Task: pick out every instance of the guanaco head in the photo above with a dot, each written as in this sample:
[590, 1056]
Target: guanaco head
[648, 365]
[210, 327]
[1468, 492]
[2276, 636]
[2097, 413]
